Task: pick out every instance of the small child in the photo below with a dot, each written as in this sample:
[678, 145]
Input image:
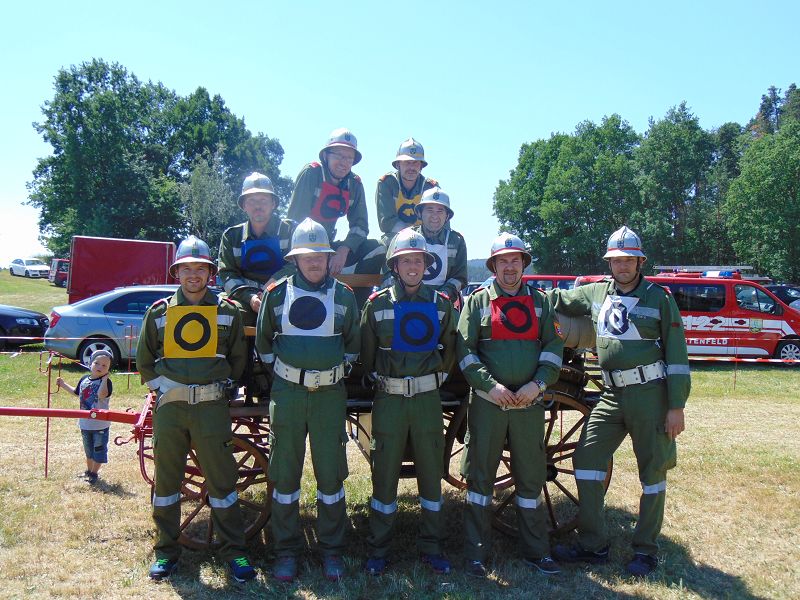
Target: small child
[94, 391]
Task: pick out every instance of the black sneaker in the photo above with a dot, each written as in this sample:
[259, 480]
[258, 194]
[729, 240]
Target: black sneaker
[92, 477]
[476, 568]
[545, 565]
[642, 565]
[577, 554]
[163, 568]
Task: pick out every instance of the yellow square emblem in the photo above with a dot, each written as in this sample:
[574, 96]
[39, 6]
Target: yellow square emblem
[191, 332]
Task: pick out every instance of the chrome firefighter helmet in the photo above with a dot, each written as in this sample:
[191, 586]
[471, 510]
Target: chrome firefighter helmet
[341, 138]
[408, 241]
[410, 149]
[507, 243]
[256, 183]
[309, 238]
[624, 242]
[434, 195]
[192, 250]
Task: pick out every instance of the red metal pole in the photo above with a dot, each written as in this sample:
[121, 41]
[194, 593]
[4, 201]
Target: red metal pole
[115, 416]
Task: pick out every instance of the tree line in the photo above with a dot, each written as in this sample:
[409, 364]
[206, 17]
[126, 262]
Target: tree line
[134, 159]
[696, 197]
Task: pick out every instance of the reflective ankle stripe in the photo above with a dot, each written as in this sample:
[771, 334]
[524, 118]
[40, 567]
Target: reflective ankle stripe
[386, 509]
[166, 500]
[589, 475]
[331, 498]
[656, 488]
[479, 499]
[529, 502]
[285, 498]
[225, 502]
[431, 505]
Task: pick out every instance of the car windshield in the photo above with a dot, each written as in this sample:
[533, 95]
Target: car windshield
[33, 262]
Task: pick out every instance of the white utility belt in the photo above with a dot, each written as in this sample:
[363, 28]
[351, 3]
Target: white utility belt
[410, 386]
[194, 394]
[306, 377]
[636, 375]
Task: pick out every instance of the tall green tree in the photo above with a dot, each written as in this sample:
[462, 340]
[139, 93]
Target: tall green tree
[763, 204]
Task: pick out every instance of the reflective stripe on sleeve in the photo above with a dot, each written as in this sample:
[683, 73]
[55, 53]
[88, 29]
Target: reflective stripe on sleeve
[357, 231]
[236, 251]
[285, 498]
[166, 500]
[226, 320]
[386, 509]
[486, 311]
[431, 505]
[678, 370]
[351, 357]
[340, 309]
[232, 283]
[331, 498]
[225, 502]
[538, 311]
[469, 359]
[455, 283]
[644, 311]
[479, 499]
[529, 502]
[384, 315]
[590, 475]
[550, 357]
[656, 488]
[267, 358]
[160, 322]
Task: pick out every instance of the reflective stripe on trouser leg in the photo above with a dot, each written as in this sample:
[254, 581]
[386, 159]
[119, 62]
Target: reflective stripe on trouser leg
[528, 466]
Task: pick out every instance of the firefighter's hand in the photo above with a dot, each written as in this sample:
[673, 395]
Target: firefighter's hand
[255, 303]
[338, 260]
[527, 394]
[503, 396]
[674, 424]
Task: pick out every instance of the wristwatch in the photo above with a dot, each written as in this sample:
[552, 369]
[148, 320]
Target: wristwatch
[542, 385]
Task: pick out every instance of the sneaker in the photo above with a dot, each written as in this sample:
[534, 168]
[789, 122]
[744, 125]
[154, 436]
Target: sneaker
[545, 565]
[641, 565]
[163, 568]
[333, 567]
[285, 569]
[476, 568]
[376, 565]
[241, 569]
[437, 562]
[577, 554]
[84, 475]
[92, 477]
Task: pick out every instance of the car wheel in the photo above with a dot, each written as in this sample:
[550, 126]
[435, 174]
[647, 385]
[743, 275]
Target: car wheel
[11, 271]
[788, 350]
[88, 347]
[27, 273]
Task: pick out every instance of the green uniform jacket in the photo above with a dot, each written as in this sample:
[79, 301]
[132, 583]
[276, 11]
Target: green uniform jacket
[456, 259]
[306, 190]
[386, 201]
[377, 333]
[659, 325]
[230, 257]
[513, 363]
[309, 352]
[231, 355]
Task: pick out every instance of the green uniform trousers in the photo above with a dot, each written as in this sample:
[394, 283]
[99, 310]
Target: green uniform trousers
[489, 427]
[396, 420]
[295, 412]
[206, 427]
[638, 410]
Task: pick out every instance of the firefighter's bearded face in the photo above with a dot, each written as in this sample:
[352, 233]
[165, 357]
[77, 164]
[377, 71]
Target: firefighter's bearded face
[313, 266]
[508, 269]
[410, 268]
[625, 269]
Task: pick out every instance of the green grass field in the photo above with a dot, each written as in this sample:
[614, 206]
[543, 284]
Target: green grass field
[731, 529]
[34, 294]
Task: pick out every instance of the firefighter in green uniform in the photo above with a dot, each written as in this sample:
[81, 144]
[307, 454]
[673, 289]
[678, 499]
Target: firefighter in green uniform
[509, 352]
[399, 191]
[642, 351]
[191, 348]
[408, 348]
[308, 330]
[251, 253]
[327, 190]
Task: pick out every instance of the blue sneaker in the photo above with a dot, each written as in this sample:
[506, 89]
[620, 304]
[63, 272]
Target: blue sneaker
[376, 565]
[333, 567]
[163, 568]
[241, 569]
[642, 565]
[545, 565]
[437, 562]
[285, 569]
[576, 553]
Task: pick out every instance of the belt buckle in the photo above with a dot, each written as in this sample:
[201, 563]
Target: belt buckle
[617, 373]
[312, 386]
[192, 399]
[642, 376]
[408, 385]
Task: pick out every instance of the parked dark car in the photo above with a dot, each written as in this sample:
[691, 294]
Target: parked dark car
[18, 323]
[788, 294]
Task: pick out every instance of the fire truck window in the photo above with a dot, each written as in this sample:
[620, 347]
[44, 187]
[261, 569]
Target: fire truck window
[698, 298]
[751, 298]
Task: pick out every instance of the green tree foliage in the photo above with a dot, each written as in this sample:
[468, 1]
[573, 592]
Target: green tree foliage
[763, 204]
[121, 149]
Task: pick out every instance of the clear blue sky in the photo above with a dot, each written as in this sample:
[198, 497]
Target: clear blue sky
[471, 80]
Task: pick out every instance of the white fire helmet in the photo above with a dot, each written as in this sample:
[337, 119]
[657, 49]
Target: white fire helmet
[257, 183]
[192, 250]
[624, 242]
[309, 238]
[343, 138]
[434, 195]
[507, 243]
[408, 241]
[410, 149]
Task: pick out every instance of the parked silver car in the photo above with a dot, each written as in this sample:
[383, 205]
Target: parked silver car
[109, 321]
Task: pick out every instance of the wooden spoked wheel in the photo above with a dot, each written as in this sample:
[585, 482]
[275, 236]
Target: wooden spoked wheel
[252, 485]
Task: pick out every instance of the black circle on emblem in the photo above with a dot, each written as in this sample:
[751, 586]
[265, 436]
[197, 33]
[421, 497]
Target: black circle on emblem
[183, 322]
[435, 269]
[416, 329]
[333, 206]
[307, 313]
[260, 258]
[509, 322]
